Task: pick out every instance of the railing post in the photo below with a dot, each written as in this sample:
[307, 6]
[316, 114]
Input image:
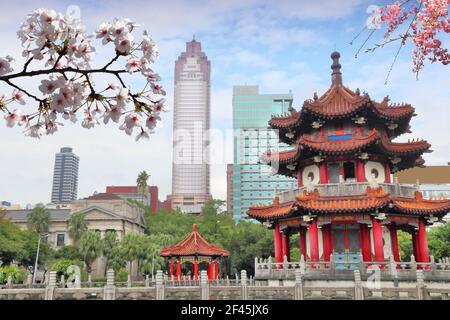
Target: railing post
[413, 263]
[50, 289]
[332, 264]
[244, 285]
[109, 291]
[62, 282]
[159, 285]
[298, 293]
[147, 281]
[129, 281]
[359, 291]
[392, 266]
[433, 265]
[420, 285]
[29, 280]
[302, 264]
[204, 285]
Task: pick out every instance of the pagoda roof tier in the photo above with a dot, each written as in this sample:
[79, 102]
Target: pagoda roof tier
[194, 245]
[374, 199]
[339, 102]
[404, 154]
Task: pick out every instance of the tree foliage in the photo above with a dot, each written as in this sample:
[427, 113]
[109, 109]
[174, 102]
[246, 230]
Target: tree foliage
[90, 248]
[39, 219]
[77, 226]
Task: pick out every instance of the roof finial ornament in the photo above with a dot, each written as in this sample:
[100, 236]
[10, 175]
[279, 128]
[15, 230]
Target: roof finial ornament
[336, 76]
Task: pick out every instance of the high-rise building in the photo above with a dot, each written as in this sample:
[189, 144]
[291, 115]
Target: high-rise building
[254, 182]
[190, 170]
[230, 189]
[150, 197]
[65, 177]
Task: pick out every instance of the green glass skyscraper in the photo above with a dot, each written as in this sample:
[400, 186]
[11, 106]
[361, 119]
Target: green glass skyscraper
[253, 182]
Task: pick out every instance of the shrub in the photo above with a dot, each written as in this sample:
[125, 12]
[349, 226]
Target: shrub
[61, 268]
[121, 275]
[18, 274]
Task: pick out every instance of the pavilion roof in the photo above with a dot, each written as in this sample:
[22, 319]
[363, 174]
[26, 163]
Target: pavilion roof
[374, 199]
[194, 245]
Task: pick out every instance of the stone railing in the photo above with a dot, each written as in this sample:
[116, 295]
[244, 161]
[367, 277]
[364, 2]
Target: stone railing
[348, 189]
[301, 287]
[266, 269]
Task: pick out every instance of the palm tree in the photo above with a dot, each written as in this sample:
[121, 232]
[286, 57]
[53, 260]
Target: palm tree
[142, 183]
[132, 248]
[90, 248]
[39, 219]
[110, 245]
[77, 226]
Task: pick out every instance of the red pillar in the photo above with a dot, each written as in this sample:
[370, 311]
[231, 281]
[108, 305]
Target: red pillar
[277, 244]
[302, 238]
[171, 268]
[360, 174]
[323, 173]
[179, 268]
[284, 245]
[365, 242]
[387, 172]
[196, 268]
[394, 241]
[299, 178]
[378, 239]
[217, 270]
[415, 244]
[210, 272]
[422, 241]
[314, 241]
[326, 239]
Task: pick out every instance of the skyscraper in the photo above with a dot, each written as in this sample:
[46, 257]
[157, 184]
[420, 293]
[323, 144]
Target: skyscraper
[190, 168]
[65, 177]
[253, 182]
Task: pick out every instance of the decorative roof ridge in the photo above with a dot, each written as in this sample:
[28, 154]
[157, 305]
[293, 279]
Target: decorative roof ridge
[370, 193]
[309, 138]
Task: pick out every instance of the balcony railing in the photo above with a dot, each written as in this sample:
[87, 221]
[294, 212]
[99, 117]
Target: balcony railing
[349, 189]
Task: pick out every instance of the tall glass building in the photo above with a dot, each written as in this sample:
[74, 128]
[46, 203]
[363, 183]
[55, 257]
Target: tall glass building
[65, 177]
[190, 168]
[254, 182]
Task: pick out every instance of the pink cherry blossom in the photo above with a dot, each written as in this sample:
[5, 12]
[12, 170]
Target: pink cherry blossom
[133, 65]
[34, 131]
[13, 117]
[5, 66]
[19, 97]
[114, 114]
[157, 89]
[152, 121]
[48, 86]
[89, 121]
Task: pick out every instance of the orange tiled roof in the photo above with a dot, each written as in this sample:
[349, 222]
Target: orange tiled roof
[371, 201]
[421, 205]
[339, 146]
[368, 202]
[285, 121]
[281, 157]
[393, 111]
[194, 245]
[274, 210]
[338, 101]
[418, 146]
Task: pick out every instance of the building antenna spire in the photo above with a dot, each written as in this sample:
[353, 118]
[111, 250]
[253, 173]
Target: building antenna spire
[193, 37]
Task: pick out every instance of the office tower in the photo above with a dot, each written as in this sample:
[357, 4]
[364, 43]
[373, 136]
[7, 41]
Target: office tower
[190, 168]
[254, 182]
[65, 177]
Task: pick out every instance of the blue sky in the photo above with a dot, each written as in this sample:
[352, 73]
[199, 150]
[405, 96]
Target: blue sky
[280, 45]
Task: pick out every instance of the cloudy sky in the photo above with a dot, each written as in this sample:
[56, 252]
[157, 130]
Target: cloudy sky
[279, 45]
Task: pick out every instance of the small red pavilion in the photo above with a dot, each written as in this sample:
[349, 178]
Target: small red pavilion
[192, 248]
[342, 156]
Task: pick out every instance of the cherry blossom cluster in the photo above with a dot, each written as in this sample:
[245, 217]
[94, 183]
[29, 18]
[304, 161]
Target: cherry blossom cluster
[428, 18]
[63, 53]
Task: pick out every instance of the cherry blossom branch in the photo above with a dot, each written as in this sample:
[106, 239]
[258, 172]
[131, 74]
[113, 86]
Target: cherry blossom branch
[60, 41]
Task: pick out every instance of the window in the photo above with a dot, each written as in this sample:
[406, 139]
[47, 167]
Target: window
[349, 170]
[60, 237]
[333, 172]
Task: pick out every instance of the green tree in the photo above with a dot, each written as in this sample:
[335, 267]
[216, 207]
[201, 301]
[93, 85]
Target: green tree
[90, 248]
[439, 241]
[150, 258]
[110, 245]
[68, 253]
[21, 246]
[405, 245]
[77, 226]
[141, 183]
[39, 219]
[132, 248]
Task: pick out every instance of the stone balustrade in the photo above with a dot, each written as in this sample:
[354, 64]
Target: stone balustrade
[348, 189]
[356, 286]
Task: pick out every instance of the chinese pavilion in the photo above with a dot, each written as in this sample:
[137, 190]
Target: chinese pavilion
[192, 249]
[343, 156]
